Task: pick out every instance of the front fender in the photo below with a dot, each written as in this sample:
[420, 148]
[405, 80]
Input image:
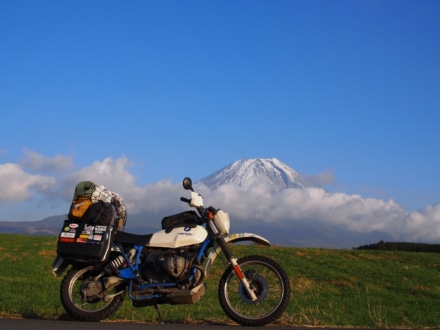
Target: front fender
[247, 237]
[232, 239]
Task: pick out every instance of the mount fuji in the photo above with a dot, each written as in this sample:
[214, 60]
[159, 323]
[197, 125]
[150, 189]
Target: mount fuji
[249, 172]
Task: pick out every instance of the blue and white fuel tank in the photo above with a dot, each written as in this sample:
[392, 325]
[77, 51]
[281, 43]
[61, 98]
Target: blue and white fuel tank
[178, 237]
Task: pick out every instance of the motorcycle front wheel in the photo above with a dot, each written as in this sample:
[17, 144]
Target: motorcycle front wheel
[270, 283]
[86, 299]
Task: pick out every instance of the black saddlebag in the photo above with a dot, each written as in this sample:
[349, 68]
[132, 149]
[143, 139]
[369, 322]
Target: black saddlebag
[88, 243]
[184, 219]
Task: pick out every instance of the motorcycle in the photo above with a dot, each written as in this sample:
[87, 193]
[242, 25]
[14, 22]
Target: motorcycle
[168, 267]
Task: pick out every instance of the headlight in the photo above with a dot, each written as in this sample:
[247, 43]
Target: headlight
[221, 221]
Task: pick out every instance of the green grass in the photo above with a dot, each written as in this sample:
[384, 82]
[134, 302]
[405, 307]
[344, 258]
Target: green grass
[349, 288]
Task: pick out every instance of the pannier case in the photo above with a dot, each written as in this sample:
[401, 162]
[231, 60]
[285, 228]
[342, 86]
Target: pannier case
[85, 242]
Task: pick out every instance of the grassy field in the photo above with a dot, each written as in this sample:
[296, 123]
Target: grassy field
[329, 287]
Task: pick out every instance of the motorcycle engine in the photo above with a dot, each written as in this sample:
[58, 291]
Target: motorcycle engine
[162, 266]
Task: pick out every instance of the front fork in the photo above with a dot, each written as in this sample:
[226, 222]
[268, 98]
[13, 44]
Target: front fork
[228, 253]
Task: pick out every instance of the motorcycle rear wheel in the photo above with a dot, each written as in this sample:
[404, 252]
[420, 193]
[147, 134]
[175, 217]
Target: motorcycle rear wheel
[93, 310]
[270, 283]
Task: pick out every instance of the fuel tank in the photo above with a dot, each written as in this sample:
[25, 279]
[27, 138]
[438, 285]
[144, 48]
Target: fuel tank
[178, 237]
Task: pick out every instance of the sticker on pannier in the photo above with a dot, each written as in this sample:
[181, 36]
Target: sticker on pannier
[85, 242]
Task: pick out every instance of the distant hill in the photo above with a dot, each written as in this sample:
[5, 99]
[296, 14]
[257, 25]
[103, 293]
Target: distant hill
[52, 226]
[48, 226]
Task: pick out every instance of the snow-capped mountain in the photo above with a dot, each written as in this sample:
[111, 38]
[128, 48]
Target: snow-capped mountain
[248, 172]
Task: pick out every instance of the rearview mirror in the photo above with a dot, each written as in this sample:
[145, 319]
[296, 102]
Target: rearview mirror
[187, 184]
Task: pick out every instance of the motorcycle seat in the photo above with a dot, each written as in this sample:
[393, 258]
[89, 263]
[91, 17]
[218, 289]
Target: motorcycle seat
[127, 238]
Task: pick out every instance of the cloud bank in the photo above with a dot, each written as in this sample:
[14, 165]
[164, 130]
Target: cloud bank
[51, 181]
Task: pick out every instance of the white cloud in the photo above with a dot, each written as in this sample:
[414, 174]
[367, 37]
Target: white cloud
[318, 207]
[423, 226]
[325, 178]
[305, 204]
[114, 174]
[17, 185]
[42, 164]
[254, 205]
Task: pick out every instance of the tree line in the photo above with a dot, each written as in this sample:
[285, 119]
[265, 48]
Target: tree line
[401, 246]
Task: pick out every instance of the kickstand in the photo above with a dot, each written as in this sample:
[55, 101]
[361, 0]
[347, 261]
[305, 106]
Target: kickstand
[159, 314]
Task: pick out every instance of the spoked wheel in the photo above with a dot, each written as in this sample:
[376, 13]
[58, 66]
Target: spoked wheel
[84, 296]
[270, 283]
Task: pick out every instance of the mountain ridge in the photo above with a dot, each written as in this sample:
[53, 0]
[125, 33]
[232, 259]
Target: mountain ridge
[248, 172]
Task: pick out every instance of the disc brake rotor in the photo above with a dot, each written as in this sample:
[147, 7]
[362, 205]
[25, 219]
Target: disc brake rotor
[257, 284]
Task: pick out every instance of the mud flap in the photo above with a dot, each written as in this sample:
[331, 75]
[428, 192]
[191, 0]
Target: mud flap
[59, 265]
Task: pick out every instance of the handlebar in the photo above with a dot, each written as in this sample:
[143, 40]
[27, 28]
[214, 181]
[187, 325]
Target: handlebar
[185, 200]
[202, 211]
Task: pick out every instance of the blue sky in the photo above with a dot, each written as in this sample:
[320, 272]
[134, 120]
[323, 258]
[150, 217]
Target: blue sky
[134, 93]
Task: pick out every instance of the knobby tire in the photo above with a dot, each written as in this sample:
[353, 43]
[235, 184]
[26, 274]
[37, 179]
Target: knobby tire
[80, 310]
[269, 282]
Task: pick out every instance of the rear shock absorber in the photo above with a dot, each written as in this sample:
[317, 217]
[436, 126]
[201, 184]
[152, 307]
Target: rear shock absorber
[114, 265]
